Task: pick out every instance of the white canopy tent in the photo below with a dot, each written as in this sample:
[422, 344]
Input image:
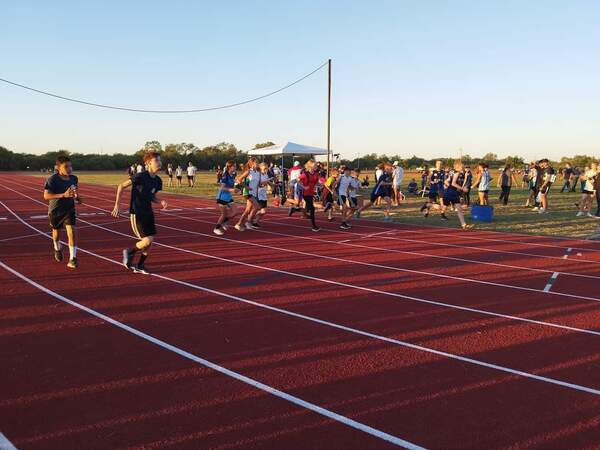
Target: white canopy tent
[289, 148]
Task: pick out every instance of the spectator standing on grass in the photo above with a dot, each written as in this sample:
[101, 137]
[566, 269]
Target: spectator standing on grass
[575, 178]
[179, 175]
[548, 177]
[567, 172]
[585, 204]
[191, 174]
[506, 180]
[424, 177]
[582, 178]
[466, 192]
[170, 174]
[397, 177]
[597, 190]
[483, 183]
[219, 173]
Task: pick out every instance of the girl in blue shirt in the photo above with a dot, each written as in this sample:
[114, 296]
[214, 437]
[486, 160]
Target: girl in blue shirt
[225, 198]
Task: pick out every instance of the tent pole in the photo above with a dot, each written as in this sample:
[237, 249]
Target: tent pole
[329, 118]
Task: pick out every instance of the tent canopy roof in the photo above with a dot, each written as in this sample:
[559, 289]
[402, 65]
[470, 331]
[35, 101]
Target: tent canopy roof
[289, 148]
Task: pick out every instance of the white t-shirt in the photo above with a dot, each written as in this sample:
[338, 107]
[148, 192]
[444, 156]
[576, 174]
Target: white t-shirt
[139, 168]
[295, 173]
[253, 182]
[191, 171]
[356, 184]
[398, 176]
[345, 181]
[378, 173]
[262, 190]
[589, 184]
[178, 171]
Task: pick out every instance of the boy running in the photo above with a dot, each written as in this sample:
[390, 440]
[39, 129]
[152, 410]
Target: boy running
[144, 191]
[549, 177]
[61, 192]
[382, 190]
[436, 188]
[265, 180]
[455, 185]
[343, 189]
[329, 190]
[353, 190]
[308, 181]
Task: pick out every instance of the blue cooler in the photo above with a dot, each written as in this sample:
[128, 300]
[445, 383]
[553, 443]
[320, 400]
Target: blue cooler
[482, 213]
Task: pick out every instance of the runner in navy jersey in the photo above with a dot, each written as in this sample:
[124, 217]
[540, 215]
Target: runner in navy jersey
[455, 186]
[436, 187]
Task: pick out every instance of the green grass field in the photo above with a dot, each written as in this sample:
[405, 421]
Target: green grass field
[561, 220]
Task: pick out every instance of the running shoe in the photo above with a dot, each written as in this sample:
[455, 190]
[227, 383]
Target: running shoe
[580, 214]
[331, 219]
[58, 256]
[291, 211]
[256, 225]
[443, 216]
[327, 207]
[589, 214]
[467, 226]
[239, 227]
[542, 211]
[250, 226]
[316, 229]
[72, 264]
[344, 226]
[218, 231]
[127, 257]
[141, 268]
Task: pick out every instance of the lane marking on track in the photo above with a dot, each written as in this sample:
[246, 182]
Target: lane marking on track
[3, 218]
[223, 370]
[554, 276]
[336, 283]
[335, 325]
[39, 217]
[5, 444]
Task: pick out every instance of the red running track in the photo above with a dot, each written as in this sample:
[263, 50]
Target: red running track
[75, 379]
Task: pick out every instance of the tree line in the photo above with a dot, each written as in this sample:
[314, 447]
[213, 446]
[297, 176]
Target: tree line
[207, 158]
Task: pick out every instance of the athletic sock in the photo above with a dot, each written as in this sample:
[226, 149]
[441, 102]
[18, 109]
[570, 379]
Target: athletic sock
[143, 257]
[56, 245]
[72, 252]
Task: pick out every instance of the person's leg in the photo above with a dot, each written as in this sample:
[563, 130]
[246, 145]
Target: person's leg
[310, 207]
[461, 217]
[468, 198]
[72, 237]
[245, 214]
[598, 203]
[253, 210]
[56, 238]
[481, 198]
[223, 215]
[502, 194]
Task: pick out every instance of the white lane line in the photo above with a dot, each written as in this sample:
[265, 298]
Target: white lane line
[338, 326]
[336, 283]
[230, 373]
[3, 218]
[555, 274]
[39, 217]
[5, 444]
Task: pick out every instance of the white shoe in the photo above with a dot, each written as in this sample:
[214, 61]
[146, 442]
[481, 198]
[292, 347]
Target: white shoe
[239, 227]
[535, 208]
[250, 226]
[580, 214]
[218, 231]
[590, 215]
[542, 211]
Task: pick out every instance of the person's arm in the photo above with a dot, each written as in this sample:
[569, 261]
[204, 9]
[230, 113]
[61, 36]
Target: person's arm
[50, 196]
[239, 178]
[455, 184]
[123, 185]
[301, 180]
[157, 199]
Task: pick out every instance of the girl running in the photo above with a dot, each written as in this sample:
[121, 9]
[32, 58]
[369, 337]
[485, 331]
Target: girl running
[265, 180]
[308, 181]
[329, 193]
[250, 178]
[225, 198]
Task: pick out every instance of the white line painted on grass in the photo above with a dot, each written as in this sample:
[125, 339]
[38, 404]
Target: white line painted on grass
[5, 444]
[230, 373]
[338, 326]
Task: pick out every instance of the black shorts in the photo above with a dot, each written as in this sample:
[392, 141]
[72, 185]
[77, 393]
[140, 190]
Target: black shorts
[224, 202]
[142, 225]
[433, 195]
[249, 197]
[544, 189]
[59, 219]
[328, 198]
[353, 202]
[451, 197]
[485, 192]
[190, 177]
[342, 200]
[262, 203]
[374, 197]
[179, 177]
[170, 175]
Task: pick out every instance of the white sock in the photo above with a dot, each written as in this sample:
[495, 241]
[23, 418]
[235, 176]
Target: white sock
[56, 245]
[72, 252]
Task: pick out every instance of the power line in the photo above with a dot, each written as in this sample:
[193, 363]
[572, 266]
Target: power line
[166, 111]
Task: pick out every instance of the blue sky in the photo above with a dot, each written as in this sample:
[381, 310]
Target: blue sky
[409, 77]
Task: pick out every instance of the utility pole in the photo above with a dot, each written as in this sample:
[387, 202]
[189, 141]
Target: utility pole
[329, 117]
